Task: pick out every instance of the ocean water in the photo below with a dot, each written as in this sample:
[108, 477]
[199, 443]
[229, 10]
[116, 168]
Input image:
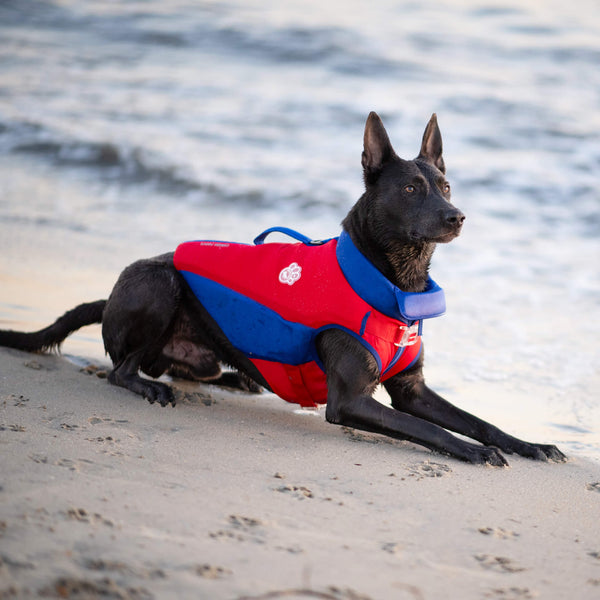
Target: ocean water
[127, 127]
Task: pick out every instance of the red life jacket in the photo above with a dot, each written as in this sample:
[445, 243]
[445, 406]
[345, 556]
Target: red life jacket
[272, 300]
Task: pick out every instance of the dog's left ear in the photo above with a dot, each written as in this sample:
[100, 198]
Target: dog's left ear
[431, 147]
[378, 150]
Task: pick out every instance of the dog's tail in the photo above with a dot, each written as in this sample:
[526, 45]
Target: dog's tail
[52, 336]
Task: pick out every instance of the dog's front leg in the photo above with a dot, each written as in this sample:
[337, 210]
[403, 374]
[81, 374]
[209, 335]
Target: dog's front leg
[409, 394]
[352, 376]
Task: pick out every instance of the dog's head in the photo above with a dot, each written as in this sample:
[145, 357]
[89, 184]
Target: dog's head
[409, 199]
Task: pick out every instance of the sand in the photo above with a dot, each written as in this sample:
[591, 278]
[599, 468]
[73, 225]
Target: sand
[230, 495]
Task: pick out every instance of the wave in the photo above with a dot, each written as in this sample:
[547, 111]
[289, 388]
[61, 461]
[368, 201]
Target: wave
[210, 28]
[128, 165]
[342, 50]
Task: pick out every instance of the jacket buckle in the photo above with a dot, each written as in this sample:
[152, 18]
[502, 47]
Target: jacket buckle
[409, 334]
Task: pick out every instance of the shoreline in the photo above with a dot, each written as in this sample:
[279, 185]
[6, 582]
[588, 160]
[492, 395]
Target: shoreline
[230, 495]
[512, 369]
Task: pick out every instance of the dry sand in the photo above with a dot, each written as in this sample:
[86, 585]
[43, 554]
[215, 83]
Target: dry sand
[233, 496]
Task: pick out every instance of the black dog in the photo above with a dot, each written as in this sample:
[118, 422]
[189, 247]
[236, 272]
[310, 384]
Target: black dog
[154, 323]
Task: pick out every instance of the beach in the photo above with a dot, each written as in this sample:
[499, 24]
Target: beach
[127, 128]
[232, 495]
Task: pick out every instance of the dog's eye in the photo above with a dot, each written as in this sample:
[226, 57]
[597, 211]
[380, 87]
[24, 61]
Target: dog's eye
[446, 188]
[410, 189]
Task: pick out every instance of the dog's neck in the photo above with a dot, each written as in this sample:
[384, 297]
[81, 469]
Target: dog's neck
[406, 265]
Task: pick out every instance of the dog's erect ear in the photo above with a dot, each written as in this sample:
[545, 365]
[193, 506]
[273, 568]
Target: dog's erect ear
[431, 147]
[377, 147]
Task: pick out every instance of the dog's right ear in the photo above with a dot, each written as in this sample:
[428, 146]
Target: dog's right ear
[377, 148]
[431, 147]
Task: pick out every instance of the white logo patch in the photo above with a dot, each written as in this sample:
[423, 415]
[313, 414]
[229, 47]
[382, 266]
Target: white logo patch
[290, 274]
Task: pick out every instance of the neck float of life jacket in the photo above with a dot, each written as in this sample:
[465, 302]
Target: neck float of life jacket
[272, 300]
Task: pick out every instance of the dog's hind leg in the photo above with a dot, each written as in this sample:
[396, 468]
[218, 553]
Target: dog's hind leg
[125, 374]
[230, 379]
[188, 354]
[137, 323]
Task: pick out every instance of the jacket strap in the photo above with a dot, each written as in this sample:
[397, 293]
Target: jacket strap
[287, 231]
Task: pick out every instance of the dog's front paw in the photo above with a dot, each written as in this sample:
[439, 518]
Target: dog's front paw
[553, 453]
[545, 452]
[484, 455]
[542, 452]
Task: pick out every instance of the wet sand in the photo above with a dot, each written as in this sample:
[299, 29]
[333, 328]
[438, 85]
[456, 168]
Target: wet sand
[230, 495]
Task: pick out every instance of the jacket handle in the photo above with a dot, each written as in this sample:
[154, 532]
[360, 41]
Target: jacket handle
[287, 231]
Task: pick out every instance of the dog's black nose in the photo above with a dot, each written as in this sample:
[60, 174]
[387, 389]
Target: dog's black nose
[455, 217]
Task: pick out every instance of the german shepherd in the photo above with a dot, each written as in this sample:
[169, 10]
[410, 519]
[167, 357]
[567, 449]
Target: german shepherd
[152, 322]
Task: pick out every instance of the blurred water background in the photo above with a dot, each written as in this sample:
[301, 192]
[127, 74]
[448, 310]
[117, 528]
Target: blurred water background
[129, 126]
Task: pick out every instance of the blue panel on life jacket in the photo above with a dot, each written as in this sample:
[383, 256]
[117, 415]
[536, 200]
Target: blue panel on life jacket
[251, 327]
